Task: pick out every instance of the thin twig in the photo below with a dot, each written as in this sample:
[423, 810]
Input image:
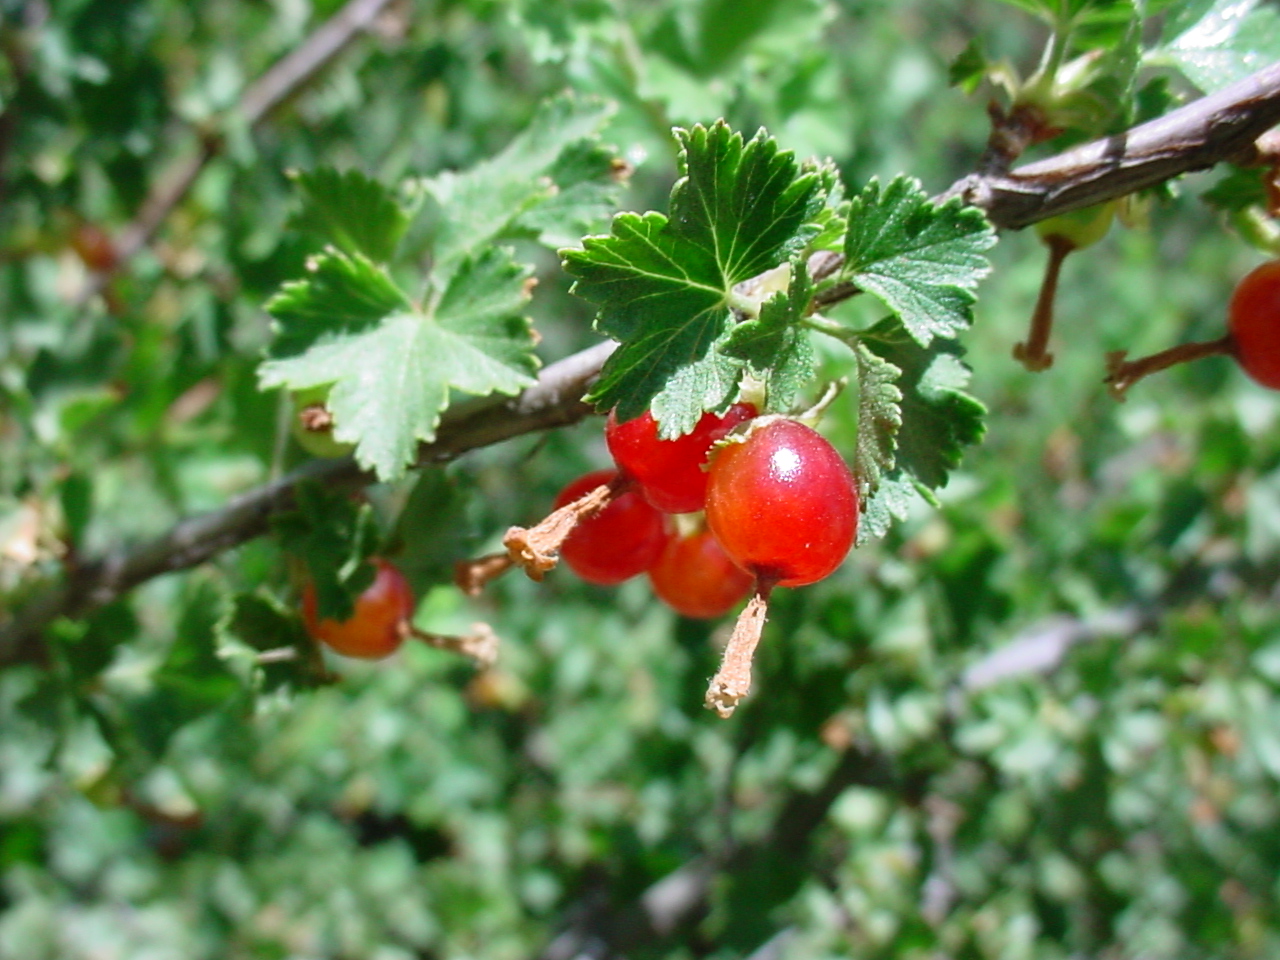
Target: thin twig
[1218, 127]
[554, 401]
[682, 896]
[281, 81]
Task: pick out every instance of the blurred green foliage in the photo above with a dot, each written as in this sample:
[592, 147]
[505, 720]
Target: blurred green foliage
[1040, 721]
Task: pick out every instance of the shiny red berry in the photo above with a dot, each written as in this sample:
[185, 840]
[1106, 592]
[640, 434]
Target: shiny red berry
[695, 578]
[670, 472]
[622, 540]
[782, 503]
[1254, 316]
[376, 628]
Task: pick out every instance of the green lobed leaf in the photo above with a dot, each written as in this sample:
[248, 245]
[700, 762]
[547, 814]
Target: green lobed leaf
[1046, 9]
[748, 203]
[192, 681]
[775, 348]
[890, 501]
[391, 382]
[832, 218]
[433, 529]
[392, 363]
[938, 418]
[920, 258]
[659, 298]
[1238, 189]
[879, 419]
[264, 624]
[1231, 40]
[354, 213]
[86, 648]
[969, 68]
[333, 536]
[588, 179]
[1105, 25]
[342, 293]
[665, 286]
[478, 205]
[705, 384]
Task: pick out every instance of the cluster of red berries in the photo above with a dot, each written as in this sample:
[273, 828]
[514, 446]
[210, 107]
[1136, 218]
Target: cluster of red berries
[780, 508]
[734, 508]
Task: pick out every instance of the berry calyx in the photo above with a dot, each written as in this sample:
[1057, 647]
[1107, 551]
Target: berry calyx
[782, 503]
[671, 473]
[616, 542]
[379, 623]
[732, 681]
[1254, 318]
[312, 424]
[536, 549]
[695, 578]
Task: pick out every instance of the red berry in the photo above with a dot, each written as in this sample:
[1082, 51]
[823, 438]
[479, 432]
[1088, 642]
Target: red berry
[694, 577]
[1254, 316]
[622, 540]
[783, 504]
[670, 472]
[376, 628]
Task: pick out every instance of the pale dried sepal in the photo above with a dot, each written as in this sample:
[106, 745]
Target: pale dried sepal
[316, 418]
[537, 549]
[481, 644]
[732, 681]
[471, 576]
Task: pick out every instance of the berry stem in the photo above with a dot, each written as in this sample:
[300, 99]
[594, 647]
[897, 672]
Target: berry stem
[1123, 374]
[481, 644]
[1033, 353]
[471, 576]
[732, 681]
